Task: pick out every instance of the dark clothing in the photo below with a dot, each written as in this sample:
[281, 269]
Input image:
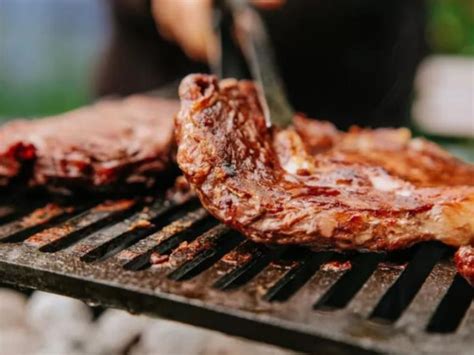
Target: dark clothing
[138, 58]
[348, 61]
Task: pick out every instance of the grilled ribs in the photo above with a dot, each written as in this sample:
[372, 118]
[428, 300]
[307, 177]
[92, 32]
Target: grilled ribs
[116, 141]
[312, 185]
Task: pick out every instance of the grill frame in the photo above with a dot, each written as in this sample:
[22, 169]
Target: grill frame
[241, 310]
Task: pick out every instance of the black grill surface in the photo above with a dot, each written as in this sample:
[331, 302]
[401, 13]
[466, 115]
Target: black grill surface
[172, 259]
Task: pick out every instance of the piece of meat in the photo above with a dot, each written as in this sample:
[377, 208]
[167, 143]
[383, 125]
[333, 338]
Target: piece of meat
[272, 186]
[14, 156]
[464, 260]
[116, 141]
[416, 160]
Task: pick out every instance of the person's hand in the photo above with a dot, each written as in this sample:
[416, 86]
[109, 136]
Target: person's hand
[189, 24]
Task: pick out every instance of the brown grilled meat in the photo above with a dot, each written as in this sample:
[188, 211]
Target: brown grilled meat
[464, 260]
[416, 160]
[324, 191]
[127, 141]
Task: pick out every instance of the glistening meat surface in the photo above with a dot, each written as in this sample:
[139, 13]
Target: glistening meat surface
[277, 187]
[127, 141]
[417, 160]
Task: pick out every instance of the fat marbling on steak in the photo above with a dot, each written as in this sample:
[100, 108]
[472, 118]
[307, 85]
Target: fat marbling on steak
[312, 185]
[127, 141]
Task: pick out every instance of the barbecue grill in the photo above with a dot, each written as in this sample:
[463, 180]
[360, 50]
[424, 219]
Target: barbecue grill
[171, 259]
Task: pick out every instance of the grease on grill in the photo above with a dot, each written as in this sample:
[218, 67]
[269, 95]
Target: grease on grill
[44, 214]
[95, 215]
[203, 253]
[141, 224]
[238, 257]
[157, 259]
[284, 265]
[388, 265]
[115, 205]
[187, 251]
[49, 235]
[39, 219]
[337, 266]
[166, 239]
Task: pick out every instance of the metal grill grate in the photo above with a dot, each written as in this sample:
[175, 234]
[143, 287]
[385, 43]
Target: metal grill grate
[153, 256]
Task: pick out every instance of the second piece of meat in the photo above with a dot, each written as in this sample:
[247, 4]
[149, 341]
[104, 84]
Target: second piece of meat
[127, 141]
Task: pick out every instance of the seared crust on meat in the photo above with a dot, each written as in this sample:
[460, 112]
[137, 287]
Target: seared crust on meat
[272, 186]
[464, 260]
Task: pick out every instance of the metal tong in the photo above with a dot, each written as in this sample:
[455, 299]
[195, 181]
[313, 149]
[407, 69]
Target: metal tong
[258, 57]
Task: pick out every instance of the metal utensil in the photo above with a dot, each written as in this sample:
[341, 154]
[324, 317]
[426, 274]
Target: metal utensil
[230, 61]
[259, 56]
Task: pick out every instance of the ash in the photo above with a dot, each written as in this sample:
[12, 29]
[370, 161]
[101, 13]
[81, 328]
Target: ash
[47, 324]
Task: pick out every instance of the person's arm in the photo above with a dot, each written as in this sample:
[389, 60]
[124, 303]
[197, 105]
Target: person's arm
[189, 24]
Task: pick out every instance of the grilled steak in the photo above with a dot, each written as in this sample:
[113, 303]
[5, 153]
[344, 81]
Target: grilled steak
[114, 141]
[364, 190]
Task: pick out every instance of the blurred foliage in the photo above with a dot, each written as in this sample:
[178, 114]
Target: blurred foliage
[48, 54]
[450, 27]
[62, 90]
[42, 99]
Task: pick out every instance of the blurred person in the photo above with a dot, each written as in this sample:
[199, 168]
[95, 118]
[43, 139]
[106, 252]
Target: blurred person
[349, 61]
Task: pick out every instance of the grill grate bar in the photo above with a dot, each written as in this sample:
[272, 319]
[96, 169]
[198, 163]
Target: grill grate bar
[99, 237]
[297, 276]
[157, 219]
[166, 240]
[452, 308]
[467, 324]
[260, 257]
[204, 252]
[174, 260]
[188, 235]
[320, 283]
[339, 295]
[17, 209]
[235, 258]
[374, 289]
[418, 313]
[265, 280]
[402, 292]
[37, 221]
[79, 227]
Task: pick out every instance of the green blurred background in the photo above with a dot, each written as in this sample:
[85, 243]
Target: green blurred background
[450, 31]
[49, 49]
[48, 53]
[450, 27]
